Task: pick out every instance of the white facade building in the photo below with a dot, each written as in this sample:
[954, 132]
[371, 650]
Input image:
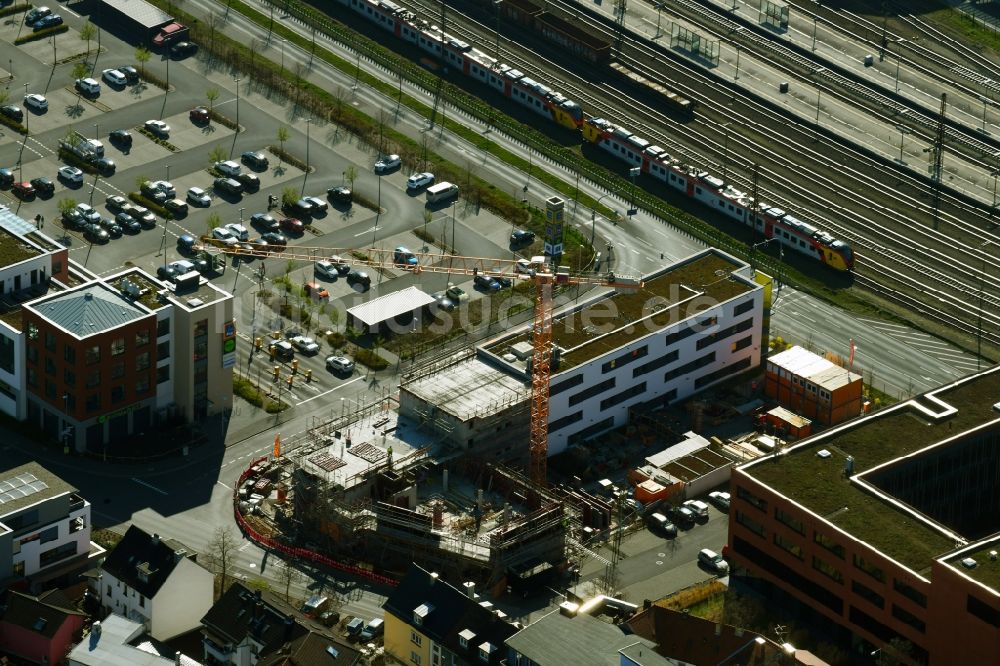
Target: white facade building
[156, 582]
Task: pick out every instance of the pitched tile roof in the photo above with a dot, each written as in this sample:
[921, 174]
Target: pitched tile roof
[287, 637]
[144, 561]
[91, 309]
[43, 614]
[449, 613]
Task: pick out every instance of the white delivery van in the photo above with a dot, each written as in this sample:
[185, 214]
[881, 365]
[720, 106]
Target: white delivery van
[441, 192]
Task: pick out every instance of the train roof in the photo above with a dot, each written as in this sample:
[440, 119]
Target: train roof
[457, 43]
[637, 141]
[711, 181]
[391, 6]
[514, 74]
[486, 61]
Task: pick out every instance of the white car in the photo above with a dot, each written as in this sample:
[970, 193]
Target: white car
[164, 186]
[70, 174]
[239, 231]
[326, 269]
[158, 127]
[182, 266]
[339, 364]
[36, 102]
[198, 196]
[224, 235]
[418, 180]
[719, 499]
[228, 168]
[88, 86]
[387, 163]
[114, 77]
[318, 205]
[88, 213]
[305, 345]
[713, 561]
[526, 267]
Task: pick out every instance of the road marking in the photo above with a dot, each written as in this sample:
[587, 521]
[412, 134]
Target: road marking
[222, 484]
[320, 395]
[151, 487]
[365, 232]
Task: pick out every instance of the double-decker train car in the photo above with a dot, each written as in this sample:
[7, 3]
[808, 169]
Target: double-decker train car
[470, 61]
[712, 191]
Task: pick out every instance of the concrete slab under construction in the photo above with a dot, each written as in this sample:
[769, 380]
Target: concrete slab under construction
[469, 389]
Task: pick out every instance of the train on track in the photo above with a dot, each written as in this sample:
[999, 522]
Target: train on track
[770, 221]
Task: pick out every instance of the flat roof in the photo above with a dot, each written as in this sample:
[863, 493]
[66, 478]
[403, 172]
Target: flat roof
[191, 299]
[813, 367]
[141, 12]
[86, 310]
[110, 646]
[860, 508]
[14, 247]
[144, 287]
[619, 317]
[29, 484]
[470, 388]
[390, 306]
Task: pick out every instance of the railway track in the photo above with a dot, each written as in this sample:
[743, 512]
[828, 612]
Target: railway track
[881, 258]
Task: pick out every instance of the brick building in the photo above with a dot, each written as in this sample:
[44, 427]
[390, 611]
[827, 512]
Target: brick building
[886, 525]
[812, 386]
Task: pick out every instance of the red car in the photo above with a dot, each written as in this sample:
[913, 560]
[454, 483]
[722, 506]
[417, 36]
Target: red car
[26, 191]
[293, 225]
[199, 114]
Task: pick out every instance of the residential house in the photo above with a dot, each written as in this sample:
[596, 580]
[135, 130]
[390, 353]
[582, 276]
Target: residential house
[157, 582]
[256, 628]
[118, 641]
[41, 629]
[430, 623]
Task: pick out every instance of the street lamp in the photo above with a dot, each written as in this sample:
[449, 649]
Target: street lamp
[815, 17]
[986, 101]
[659, 6]
[282, 40]
[593, 215]
[97, 131]
[902, 133]
[237, 79]
[26, 115]
[737, 77]
[168, 173]
[633, 173]
[994, 172]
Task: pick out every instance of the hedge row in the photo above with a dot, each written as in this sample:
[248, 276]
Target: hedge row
[41, 34]
[151, 205]
[157, 140]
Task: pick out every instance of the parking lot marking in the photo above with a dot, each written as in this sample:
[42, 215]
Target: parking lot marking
[356, 379]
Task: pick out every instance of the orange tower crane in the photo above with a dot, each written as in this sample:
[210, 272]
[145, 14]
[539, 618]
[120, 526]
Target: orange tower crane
[542, 273]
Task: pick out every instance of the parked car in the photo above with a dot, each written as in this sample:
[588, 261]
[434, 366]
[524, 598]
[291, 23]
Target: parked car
[95, 233]
[228, 185]
[128, 223]
[224, 236]
[698, 508]
[457, 294]
[520, 237]
[186, 243]
[130, 72]
[23, 191]
[305, 345]
[12, 111]
[249, 181]
[264, 222]
[660, 523]
[713, 561]
[198, 196]
[43, 186]
[401, 256]
[275, 239]
[121, 137]
[113, 228]
[167, 273]
[325, 269]
[387, 163]
[70, 174]
[143, 214]
[256, 160]
[6, 177]
[228, 168]
[161, 186]
[339, 195]
[443, 301]
[682, 515]
[504, 281]
[720, 499]
[114, 78]
[104, 165]
[343, 268]
[302, 207]
[318, 205]
[49, 21]
[238, 230]
[371, 630]
[116, 203]
[358, 278]
[89, 214]
[355, 626]
[183, 49]
[88, 86]
[199, 114]
[73, 219]
[486, 283]
[177, 207]
[283, 349]
[36, 102]
[418, 180]
[158, 128]
[340, 364]
[293, 225]
[38, 12]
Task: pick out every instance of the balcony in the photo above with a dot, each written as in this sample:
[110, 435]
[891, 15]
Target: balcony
[221, 653]
[76, 502]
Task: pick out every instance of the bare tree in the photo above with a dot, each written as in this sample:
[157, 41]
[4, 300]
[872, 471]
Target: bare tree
[288, 574]
[221, 551]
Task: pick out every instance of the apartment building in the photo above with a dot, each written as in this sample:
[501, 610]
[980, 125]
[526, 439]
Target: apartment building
[44, 527]
[886, 526]
[690, 326]
[812, 386]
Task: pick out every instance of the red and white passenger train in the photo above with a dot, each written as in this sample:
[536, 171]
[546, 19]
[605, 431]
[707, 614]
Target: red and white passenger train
[771, 222]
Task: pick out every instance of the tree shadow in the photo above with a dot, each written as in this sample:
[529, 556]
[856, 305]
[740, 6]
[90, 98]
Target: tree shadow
[209, 128]
[74, 110]
[279, 170]
[138, 89]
